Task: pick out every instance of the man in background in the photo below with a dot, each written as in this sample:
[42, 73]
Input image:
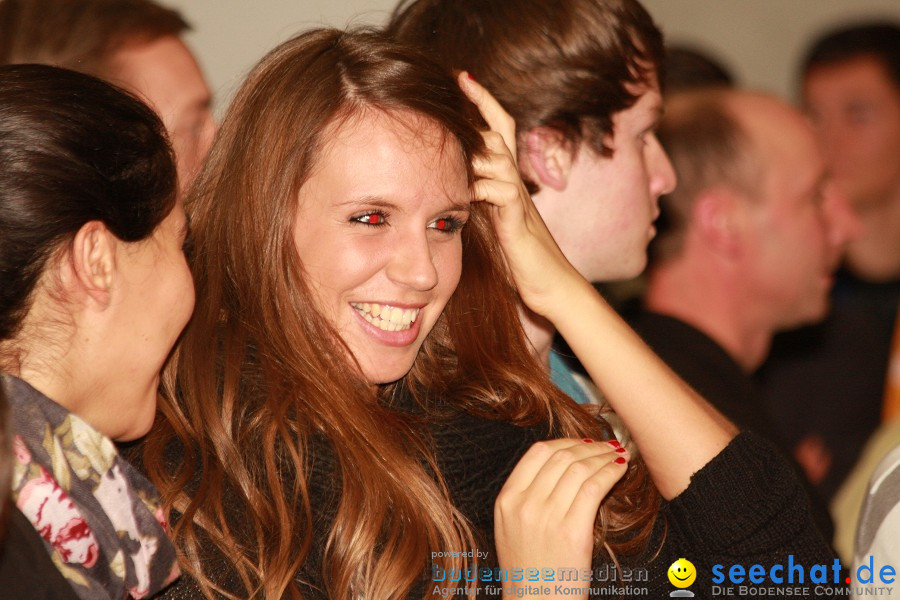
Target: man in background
[826, 384]
[581, 80]
[754, 234]
[135, 44]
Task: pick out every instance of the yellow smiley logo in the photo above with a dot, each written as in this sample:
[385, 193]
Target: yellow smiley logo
[682, 573]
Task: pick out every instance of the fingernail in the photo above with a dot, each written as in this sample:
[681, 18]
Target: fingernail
[621, 450]
[469, 75]
[619, 461]
[587, 440]
[614, 443]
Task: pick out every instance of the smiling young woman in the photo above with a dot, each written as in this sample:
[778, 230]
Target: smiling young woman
[366, 340]
[383, 253]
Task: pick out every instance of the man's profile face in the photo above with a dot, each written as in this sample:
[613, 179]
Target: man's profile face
[164, 73]
[855, 108]
[606, 220]
[790, 252]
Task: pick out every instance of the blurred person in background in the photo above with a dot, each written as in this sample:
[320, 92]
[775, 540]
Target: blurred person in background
[826, 385]
[754, 234]
[689, 68]
[135, 44]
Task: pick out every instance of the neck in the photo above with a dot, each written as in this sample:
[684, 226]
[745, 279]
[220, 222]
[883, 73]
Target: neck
[69, 369]
[706, 301]
[875, 256]
[539, 332]
[49, 371]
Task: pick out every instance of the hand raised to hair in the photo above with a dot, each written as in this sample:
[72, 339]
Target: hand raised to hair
[540, 269]
[544, 515]
[650, 399]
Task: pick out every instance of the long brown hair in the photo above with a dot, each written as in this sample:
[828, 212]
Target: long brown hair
[6, 463]
[259, 374]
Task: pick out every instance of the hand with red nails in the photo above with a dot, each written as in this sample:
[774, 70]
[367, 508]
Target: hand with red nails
[544, 515]
[541, 271]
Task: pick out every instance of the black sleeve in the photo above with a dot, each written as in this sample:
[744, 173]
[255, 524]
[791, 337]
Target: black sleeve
[746, 507]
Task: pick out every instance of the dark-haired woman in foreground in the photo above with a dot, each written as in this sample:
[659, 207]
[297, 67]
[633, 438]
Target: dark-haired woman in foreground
[94, 291]
[355, 391]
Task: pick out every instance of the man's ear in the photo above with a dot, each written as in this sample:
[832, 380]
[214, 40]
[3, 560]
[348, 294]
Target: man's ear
[548, 157]
[94, 260]
[716, 216]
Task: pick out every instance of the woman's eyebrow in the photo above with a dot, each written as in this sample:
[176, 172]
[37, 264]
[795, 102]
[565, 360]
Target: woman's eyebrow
[379, 201]
[460, 206]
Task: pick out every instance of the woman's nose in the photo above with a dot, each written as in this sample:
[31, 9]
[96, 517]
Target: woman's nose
[412, 263]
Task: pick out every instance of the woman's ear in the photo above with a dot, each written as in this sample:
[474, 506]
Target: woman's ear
[94, 260]
[548, 157]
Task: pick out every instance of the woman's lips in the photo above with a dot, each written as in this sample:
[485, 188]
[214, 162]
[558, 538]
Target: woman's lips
[389, 324]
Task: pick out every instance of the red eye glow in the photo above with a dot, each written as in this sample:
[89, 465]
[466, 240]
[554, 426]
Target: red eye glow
[441, 224]
[374, 219]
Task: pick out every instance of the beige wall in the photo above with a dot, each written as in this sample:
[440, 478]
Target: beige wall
[760, 40]
[231, 35]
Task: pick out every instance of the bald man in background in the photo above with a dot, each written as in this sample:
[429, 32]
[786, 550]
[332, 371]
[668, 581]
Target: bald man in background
[754, 233]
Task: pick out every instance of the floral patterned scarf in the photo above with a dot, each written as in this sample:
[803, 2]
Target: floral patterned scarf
[100, 519]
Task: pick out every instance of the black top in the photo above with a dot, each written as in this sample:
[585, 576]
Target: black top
[746, 506]
[828, 379]
[707, 367]
[26, 570]
[711, 371]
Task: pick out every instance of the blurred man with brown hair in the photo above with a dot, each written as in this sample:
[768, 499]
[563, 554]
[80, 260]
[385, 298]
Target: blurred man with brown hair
[851, 91]
[135, 44]
[581, 80]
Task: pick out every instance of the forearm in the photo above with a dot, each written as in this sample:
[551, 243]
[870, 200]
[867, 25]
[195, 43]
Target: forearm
[654, 403]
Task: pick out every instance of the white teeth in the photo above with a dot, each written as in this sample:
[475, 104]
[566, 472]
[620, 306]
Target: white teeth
[387, 318]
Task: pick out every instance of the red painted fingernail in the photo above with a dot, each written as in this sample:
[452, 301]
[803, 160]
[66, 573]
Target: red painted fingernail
[620, 461]
[621, 450]
[614, 443]
[587, 440]
[469, 75]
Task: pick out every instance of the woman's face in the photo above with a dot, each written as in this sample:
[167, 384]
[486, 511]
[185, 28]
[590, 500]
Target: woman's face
[378, 233]
[157, 301]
